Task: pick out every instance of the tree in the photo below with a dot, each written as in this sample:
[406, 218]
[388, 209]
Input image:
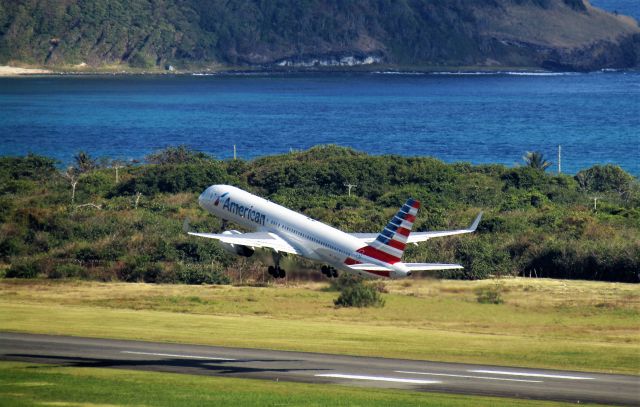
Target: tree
[535, 159]
[604, 178]
[84, 162]
[177, 155]
[72, 176]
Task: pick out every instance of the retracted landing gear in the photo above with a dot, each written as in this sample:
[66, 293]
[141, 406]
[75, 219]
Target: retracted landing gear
[329, 271]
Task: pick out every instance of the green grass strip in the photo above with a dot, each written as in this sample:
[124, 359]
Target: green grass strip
[26, 384]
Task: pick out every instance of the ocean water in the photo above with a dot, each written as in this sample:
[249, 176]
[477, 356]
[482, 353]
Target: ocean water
[626, 7]
[477, 118]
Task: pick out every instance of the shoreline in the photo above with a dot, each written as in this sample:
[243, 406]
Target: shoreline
[7, 71]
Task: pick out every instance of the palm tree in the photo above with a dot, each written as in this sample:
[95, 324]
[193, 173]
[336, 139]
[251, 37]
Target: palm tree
[84, 162]
[535, 159]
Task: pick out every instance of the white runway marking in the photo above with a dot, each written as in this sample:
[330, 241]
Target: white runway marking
[377, 378]
[175, 356]
[471, 377]
[551, 376]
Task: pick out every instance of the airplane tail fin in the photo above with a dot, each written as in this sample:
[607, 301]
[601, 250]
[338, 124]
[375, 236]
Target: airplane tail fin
[390, 244]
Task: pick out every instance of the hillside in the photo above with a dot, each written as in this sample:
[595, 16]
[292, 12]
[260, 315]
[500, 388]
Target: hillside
[190, 34]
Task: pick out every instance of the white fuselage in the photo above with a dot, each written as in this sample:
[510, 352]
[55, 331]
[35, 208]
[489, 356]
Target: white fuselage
[311, 238]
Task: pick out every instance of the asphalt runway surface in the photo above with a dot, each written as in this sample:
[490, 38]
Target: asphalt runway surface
[540, 384]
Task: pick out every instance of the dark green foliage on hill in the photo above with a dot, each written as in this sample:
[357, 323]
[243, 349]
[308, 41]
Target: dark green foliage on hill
[32, 168]
[177, 155]
[535, 223]
[172, 178]
[144, 34]
[605, 178]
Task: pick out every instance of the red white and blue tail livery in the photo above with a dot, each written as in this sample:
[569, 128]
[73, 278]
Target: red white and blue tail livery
[390, 243]
[285, 231]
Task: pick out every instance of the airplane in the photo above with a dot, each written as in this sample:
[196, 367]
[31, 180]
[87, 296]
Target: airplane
[370, 255]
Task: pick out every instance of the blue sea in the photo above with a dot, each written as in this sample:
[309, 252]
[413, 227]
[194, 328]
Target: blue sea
[477, 118]
[626, 7]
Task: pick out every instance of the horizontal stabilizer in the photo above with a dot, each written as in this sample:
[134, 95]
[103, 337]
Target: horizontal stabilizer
[432, 266]
[369, 266]
[410, 266]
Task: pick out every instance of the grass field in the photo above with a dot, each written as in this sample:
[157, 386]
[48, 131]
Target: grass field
[542, 323]
[24, 384]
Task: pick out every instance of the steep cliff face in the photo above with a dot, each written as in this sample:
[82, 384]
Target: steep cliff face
[555, 34]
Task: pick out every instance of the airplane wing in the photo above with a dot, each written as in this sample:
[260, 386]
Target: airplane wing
[410, 266]
[416, 237]
[254, 240]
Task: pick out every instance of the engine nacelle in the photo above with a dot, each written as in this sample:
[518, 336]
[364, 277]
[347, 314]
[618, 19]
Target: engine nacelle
[240, 250]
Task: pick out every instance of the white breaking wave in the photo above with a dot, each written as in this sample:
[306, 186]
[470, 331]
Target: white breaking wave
[397, 73]
[514, 73]
[541, 73]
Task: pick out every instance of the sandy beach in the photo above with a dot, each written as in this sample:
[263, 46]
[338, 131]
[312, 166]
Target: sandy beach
[15, 71]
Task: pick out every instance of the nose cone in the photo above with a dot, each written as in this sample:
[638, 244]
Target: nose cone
[204, 196]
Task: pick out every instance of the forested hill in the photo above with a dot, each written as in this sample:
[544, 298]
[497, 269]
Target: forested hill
[197, 34]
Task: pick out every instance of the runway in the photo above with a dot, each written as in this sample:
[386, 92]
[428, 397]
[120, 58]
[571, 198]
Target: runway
[413, 375]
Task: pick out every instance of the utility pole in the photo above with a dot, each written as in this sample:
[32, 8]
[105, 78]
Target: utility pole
[559, 159]
[595, 203]
[350, 186]
[234, 152]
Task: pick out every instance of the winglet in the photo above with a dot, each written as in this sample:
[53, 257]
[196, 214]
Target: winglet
[475, 223]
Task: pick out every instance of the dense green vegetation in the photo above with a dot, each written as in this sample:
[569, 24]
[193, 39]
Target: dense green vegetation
[536, 223]
[355, 292]
[146, 34]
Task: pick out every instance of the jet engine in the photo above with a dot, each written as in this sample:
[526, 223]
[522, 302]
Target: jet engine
[240, 250]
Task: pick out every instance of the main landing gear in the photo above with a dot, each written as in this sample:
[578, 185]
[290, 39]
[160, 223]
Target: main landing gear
[329, 271]
[276, 271]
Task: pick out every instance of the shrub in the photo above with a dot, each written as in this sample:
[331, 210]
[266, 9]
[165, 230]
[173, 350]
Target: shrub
[87, 254]
[94, 184]
[202, 250]
[201, 274]
[490, 294]
[11, 246]
[173, 178]
[68, 271]
[344, 281]
[524, 178]
[177, 155]
[152, 273]
[30, 167]
[23, 269]
[133, 268]
[356, 293]
[603, 178]
[480, 260]
[139, 60]
[612, 260]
